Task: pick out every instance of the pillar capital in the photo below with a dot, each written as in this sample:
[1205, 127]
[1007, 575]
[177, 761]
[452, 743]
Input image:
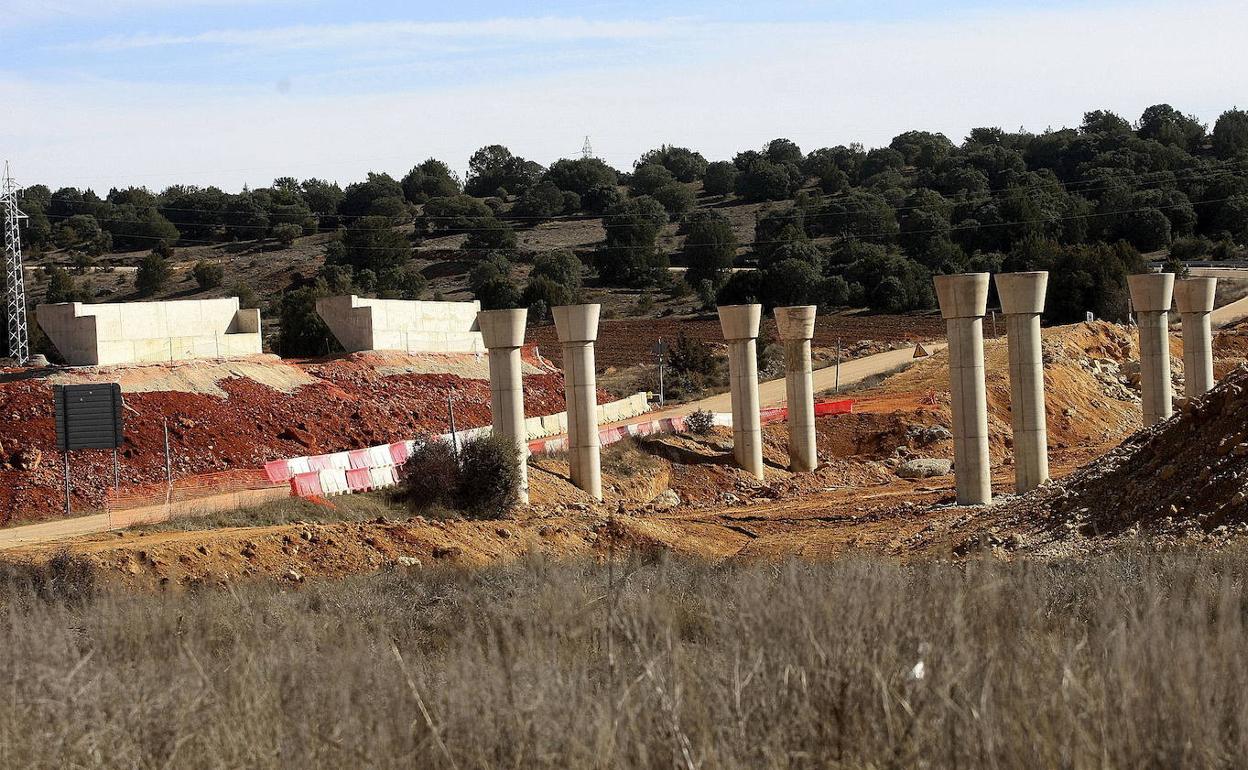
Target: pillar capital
[1151, 292]
[1195, 295]
[1022, 293]
[576, 323]
[740, 322]
[964, 295]
[796, 323]
[502, 328]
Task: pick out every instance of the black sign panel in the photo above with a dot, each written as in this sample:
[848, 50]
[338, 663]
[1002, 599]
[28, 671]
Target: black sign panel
[88, 416]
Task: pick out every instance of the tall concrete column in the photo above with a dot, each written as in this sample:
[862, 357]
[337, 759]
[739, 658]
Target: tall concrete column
[1150, 295]
[1022, 302]
[963, 302]
[577, 327]
[740, 327]
[797, 327]
[1194, 296]
[503, 333]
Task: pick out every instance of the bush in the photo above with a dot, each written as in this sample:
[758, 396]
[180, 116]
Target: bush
[153, 274]
[483, 482]
[430, 475]
[286, 234]
[700, 422]
[247, 297]
[207, 274]
[489, 481]
[63, 288]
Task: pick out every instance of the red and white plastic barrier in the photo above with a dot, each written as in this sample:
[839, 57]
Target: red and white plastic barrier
[363, 470]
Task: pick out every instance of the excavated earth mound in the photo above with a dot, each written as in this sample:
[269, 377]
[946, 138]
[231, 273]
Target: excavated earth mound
[237, 415]
[1186, 477]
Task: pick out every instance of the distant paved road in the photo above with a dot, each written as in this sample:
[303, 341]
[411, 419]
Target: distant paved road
[1237, 310]
[772, 393]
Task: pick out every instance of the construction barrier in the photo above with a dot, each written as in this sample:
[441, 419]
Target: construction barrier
[378, 467]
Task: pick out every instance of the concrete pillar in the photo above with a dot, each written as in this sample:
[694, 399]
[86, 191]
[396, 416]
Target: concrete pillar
[577, 327]
[1194, 297]
[963, 302]
[1150, 296]
[503, 333]
[740, 326]
[1022, 301]
[797, 327]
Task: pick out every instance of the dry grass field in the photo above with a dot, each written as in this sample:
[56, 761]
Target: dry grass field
[1131, 659]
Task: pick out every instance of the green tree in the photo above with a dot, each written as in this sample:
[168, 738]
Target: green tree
[370, 243]
[245, 218]
[720, 178]
[790, 282]
[580, 175]
[494, 168]
[153, 274]
[685, 164]
[207, 274]
[649, 178]
[303, 333]
[358, 198]
[63, 288]
[286, 234]
[541, 201]
[1230, 134]
[431, 179]
[710, 247]
[491, 234]
[561, 266]
[630, 256]
[675, 198]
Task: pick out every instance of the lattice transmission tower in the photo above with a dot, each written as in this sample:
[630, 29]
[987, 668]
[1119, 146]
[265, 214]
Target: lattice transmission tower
[14, 279]
[588, 150]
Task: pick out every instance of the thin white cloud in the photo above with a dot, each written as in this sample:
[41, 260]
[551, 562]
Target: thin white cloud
[531, 30]
[17, 13]
[817, 84]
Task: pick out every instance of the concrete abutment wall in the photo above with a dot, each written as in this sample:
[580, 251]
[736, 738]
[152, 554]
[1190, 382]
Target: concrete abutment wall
[150, 332]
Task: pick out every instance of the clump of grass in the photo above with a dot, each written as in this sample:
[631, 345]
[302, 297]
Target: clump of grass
[625, 459]
[1123, 660]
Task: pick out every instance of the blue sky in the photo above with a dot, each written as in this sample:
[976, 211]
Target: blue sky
[230, 92]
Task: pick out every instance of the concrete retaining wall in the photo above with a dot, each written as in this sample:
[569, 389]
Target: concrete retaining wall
[360, 324]
[150, 332]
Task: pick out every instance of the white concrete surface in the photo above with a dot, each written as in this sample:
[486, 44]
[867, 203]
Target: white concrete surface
[577, 329]
[1022, 301]
[361, 323]
[739, 324]
[503, 334]
[1151, 295]
[963, 302]
[796, 326]
[150, 332]
[1194, 298]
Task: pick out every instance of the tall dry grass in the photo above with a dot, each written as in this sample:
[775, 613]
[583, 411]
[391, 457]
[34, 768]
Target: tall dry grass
[1126, 660]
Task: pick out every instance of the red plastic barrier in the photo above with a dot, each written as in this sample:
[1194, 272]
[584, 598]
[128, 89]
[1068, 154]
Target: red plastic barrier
[359, 479]
[306, 484]
[320, 463]
[359, 458]
[843, 406]
[399, 452]
[277, 471]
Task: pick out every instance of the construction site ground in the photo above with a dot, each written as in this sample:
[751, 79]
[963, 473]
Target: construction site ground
[681, 492]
